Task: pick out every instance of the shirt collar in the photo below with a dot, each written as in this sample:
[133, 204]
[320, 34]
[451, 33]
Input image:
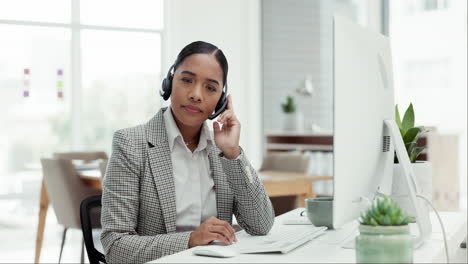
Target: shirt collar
[173, 132]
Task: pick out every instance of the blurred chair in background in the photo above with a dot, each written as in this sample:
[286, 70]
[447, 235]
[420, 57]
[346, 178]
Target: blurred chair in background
[85, 156]
[86, 160]
[65, 191]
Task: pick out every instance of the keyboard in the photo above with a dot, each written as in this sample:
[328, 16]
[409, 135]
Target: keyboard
[284, 240]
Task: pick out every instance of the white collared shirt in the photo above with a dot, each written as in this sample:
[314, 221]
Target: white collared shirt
[194, 186]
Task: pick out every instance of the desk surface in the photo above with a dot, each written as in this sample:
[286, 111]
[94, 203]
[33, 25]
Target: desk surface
[330, 250]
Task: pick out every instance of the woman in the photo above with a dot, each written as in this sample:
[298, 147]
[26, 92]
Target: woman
[170, 184]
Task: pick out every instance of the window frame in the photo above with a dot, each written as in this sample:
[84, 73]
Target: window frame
[76, 28]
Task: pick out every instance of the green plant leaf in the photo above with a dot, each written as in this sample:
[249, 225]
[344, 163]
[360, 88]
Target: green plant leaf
[391, 209]
[398, 210]
[400, 220]
[289, 106]
[393, 219]
[422, 132]
[411, 134]
[410, 148]
[380, 207]
[386, 220]
[408, 118]
[402, 133]
[384, 212]
[379, 219]
[415, 153]
[397, 117]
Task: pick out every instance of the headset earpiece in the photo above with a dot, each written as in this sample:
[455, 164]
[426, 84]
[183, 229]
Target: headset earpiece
[166, 86]
[221, 106]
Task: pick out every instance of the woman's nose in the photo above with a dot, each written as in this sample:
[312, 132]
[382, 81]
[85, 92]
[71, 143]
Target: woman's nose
[195, 93]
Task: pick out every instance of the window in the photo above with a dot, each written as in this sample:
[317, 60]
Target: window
[34, 119]
[63, 89]
[120, 83]
[428, 75]
[54, 11]
[419, 6]
[429, 61]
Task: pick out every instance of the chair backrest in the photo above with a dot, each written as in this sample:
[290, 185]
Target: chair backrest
[85, 156]
[65, 190]
[88, 210]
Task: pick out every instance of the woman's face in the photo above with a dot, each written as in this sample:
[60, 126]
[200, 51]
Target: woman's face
[197, 85]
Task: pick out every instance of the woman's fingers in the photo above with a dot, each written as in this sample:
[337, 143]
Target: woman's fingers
[225, 116]
[229, 102]
[216, 127]
[229, 107]
[210, 230]
[217, 222]
[227, 237]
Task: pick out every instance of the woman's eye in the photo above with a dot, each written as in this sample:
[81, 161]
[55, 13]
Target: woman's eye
[211, 88]
[186, 80]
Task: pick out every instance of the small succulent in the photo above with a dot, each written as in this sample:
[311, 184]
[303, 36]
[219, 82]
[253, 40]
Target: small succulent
[289, 106]
[410, 133]
[384, 212]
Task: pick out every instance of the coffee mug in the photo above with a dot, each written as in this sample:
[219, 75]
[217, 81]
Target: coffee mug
[320, 211]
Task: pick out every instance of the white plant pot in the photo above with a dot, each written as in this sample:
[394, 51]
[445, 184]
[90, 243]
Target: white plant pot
[400, 192]
[294, 121]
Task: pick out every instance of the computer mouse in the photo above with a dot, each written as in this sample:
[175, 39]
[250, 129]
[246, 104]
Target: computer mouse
[215, 251]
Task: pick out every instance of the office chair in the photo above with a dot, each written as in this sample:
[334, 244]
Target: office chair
[65, 191]
[90, 210]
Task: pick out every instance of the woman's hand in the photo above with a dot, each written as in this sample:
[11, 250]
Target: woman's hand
[210, 230]
[227, 137]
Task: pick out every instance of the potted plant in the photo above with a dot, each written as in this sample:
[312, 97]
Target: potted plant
[422, 169]
[384, 234]
[293, 119]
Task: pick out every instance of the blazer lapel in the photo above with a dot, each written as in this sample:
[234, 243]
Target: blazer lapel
[159, 155]
[223, 199]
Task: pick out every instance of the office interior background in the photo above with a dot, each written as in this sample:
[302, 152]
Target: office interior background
[74, 71]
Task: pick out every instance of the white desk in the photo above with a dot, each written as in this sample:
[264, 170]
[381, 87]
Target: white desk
[325, 250]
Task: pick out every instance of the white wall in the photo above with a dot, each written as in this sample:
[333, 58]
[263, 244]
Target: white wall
[298, 41]
[233, 26]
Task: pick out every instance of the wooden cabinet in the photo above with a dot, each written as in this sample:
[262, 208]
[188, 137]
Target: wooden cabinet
[287, 141]
[442, 151]
[299, 141]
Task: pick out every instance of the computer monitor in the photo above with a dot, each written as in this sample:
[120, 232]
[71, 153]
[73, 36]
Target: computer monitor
[365, 132]
[363, 99]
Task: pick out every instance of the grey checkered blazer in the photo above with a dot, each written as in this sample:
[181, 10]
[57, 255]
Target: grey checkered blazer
[139, 203]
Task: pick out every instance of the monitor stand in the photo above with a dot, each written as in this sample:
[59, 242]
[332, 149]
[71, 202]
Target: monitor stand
[422, 214]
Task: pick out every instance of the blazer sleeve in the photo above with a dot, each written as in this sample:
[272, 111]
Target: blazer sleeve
[252, 206]
[120, 209]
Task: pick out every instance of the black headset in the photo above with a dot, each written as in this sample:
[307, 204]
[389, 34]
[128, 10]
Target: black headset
[167, 89]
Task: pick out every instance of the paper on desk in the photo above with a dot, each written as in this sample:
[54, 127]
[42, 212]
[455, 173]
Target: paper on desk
[297, 220]
[245, 240]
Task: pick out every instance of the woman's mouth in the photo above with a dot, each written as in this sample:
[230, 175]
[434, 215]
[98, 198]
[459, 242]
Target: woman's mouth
[192, 109]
